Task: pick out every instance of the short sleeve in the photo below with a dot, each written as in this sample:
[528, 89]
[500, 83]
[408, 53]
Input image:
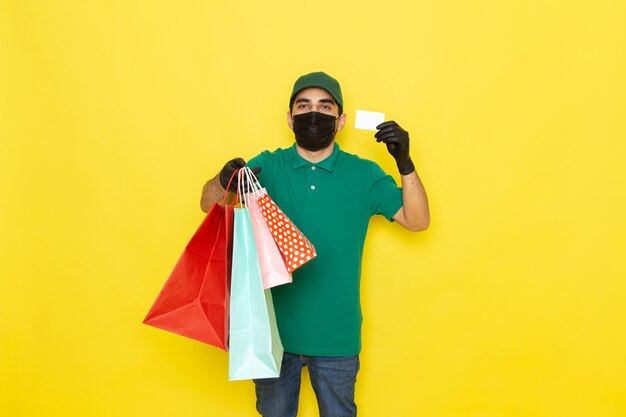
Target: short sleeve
[385, 197]
[258, 161]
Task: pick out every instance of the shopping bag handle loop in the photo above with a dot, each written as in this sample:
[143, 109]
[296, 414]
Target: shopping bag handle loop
[228, 186]
[244, 189]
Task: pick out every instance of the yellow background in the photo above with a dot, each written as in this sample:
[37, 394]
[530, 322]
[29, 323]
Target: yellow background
[113, 114]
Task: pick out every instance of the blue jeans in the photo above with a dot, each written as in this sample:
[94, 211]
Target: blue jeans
[332, 378]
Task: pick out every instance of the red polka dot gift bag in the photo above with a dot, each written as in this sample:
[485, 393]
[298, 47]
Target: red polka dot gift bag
[294, 247]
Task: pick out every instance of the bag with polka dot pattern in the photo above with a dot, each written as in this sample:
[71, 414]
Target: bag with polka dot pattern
[295, 248]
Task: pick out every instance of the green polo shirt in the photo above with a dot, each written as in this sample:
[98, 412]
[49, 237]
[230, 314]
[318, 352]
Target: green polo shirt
[331, 202]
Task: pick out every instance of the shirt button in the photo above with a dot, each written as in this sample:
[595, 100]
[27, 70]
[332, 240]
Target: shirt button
[313, 168]
[312, 187]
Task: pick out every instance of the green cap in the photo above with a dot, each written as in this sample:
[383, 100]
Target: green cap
[319, 80]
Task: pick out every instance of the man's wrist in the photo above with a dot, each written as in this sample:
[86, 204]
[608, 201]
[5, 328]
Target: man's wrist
[405, 167]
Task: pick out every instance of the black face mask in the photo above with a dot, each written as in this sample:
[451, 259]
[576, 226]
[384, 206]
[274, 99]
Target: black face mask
[314, 131]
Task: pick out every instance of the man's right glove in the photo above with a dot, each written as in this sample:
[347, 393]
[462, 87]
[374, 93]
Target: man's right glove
[229, 169]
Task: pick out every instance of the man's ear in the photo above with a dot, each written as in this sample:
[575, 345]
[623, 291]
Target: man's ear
[289, 120]
[342, 121]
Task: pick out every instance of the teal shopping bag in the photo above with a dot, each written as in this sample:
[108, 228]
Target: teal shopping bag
[255, 349]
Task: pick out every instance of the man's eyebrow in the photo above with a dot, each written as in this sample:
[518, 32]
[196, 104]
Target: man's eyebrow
[327, 100]
[303, 100]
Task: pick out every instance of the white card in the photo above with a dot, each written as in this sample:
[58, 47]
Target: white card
[368, 120]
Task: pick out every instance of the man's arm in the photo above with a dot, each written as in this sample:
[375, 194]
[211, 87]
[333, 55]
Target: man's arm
[414, 213]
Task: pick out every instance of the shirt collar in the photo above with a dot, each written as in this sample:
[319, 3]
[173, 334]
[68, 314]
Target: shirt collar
[328, 164]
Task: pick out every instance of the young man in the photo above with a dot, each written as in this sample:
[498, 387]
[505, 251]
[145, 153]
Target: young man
[330, 195]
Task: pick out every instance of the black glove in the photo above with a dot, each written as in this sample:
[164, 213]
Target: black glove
[397, 141]
[229, 169]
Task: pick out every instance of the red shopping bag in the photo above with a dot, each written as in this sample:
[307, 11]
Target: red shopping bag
[293, 245]
[195, 299]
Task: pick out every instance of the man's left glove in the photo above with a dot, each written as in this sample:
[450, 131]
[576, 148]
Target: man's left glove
[397, 141]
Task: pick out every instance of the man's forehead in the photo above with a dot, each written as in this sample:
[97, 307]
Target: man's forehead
[314, 93]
